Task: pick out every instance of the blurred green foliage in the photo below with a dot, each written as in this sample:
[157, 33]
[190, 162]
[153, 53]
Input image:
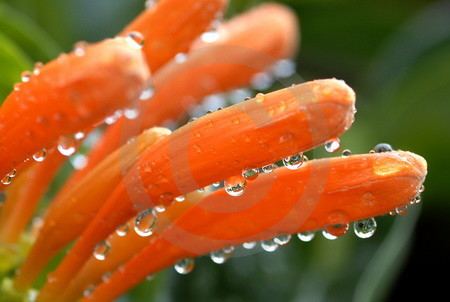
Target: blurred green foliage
[395, 54]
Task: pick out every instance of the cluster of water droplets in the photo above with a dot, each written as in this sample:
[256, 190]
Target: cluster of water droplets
[6, 180]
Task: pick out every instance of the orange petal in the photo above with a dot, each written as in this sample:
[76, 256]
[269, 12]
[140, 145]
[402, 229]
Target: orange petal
[248, 44]
[322, 194]
[65, 98]
[23, 195]
[258, 132]
[171, 25]
[67, 216]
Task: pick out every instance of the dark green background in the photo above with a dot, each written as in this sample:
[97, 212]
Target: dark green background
[395, 54]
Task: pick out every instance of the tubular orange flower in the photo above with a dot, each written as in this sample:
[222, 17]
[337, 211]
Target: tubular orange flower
[137, 170]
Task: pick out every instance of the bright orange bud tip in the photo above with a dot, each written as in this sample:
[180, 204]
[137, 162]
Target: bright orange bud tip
[63, 97]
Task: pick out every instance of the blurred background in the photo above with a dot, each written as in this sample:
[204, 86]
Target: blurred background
[396, 56]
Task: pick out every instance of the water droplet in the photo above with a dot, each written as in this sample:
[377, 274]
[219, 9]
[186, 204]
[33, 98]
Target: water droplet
[284, 68]
[416, 200]
[201, 190]
[37, 68]
[79, 49]
[185, 266]
[192, 119]
[247, 98]
[268, 168]
[235, 185]
[88, 290]
[147, 93]
[145, 223]
[269, 245]
[260, 97]
[135, 39]
[249, 245]
[216, 184]
[333, 145]
[160, 208]
[25, 76]
[150, 277]
[346, 153]
[180, 58]
[67, 145]
[210, 36]
[293, 162]
[250, 174]
[180, 198]
[6, 180]
[306, 236]
[106, 276]
[282, 239]
[401, 210]
[102, 250]
[12, 173]
[150, 3]
[332, 231]
[383, 147]
[220, 256]
[422, 189]
[131, 113]
[122, 230]
[365, 228]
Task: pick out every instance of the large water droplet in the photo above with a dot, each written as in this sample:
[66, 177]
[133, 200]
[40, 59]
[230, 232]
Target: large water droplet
[235, 185]
[102, 250]
[332, 231]
[306, 236]
[135, 39]
[185, 266]
[365, 228]
[67, 145]
[249, 245]
[293, 162]
[282, 239]
[6, 180]
[220, 256]
[383, 147]
[145, 223]
[269, 245]
[333, 145]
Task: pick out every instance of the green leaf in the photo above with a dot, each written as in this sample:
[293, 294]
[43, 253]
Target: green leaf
[13, 62]
[27, 34]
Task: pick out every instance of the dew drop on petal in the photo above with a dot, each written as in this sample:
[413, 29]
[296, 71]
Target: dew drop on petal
[102, 250]
[293, 162]
[160, 208]
[184, 266]
[365, 228]
[147, 93]
[346, 153]
[268, 168]
[122, 230]
[180, 198]
[269, 245]
[6, 180]
[131, 113]
[306, 236]
[67, 145]
[135, 39]
[210, 36]
[37, 68]
[150, 3]
[250, 174]
[180, 58]
[88, 290]
[332, 145]
[249, 245]
[216, 184]
[79, 49]
[219, 256]
[282, 239]
[12, 173]
[235, 185]
[383, 147]
[25, 76]
[401, 210]
[145, 223]
[332, 231]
